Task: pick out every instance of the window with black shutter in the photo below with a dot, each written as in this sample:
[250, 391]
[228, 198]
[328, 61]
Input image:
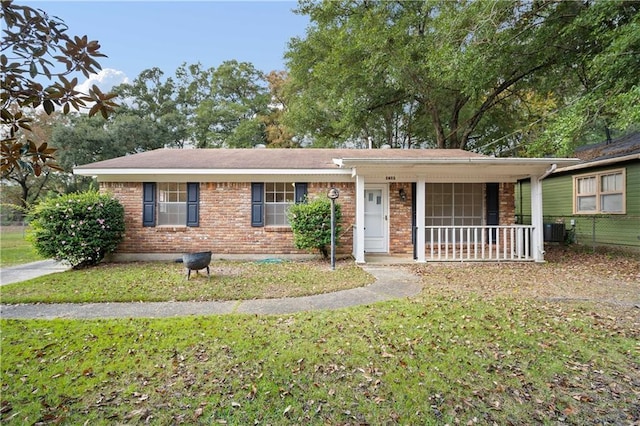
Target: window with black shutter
[270, 202]
[171, 204]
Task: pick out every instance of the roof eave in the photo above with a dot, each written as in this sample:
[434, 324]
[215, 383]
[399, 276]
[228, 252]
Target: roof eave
[346, 162]
[204, 172]
[598, 163]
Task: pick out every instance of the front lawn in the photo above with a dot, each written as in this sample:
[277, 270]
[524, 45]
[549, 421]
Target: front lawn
[521, 344]
[161, 281]
[429, 360]
[14, 248]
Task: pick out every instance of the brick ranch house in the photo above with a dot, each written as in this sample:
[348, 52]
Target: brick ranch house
[432, 204]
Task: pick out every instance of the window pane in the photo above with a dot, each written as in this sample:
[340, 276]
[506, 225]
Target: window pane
[453, 204]
[587, 204]
[172, 214]
[611, 183]
[276, 214]
[172, 203]
[611, 203]
[587, 185]
[619, 185]
[278, 197]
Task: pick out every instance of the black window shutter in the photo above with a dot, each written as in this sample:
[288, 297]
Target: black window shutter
[148, 204]
[193, 201]
[257, 204]
[493, 204]
[493, 207]
[301, 193]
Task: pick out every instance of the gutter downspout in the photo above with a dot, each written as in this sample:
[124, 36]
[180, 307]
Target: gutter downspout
[536, 214]
[550, 170]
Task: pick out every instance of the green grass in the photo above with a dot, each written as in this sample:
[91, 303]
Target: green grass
[153, 282]
[14, 249]
[477, 346]
[430, 360]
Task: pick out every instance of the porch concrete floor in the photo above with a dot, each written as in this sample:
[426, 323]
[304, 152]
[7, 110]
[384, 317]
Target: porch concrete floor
[387, 259]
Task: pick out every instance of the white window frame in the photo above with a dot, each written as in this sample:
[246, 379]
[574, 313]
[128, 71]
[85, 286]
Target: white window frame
[172, 203]
[599, 193]
[278, 197]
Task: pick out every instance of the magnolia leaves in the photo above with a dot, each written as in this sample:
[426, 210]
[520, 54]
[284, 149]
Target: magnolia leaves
[36, 47]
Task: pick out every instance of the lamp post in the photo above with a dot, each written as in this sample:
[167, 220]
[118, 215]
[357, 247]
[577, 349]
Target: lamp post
[333, 194]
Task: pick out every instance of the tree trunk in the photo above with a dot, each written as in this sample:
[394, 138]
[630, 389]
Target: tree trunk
[437, 125]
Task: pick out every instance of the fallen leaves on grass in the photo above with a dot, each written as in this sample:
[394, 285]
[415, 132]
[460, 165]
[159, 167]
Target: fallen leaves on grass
[483, 344]
[155, 282]
[567, 275]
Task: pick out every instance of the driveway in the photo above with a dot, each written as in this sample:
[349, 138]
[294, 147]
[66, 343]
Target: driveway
[27, 271]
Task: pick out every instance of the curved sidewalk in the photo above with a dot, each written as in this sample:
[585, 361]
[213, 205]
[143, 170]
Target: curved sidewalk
[391, 283]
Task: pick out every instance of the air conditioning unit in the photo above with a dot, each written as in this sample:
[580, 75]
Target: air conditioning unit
[554, 232]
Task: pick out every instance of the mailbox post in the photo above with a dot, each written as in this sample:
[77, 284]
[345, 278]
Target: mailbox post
[333, 194]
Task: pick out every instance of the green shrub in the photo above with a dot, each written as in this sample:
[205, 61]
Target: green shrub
[78, 228]
[311, 225]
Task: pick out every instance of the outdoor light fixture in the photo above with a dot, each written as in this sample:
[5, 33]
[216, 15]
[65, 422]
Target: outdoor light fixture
[403, 194]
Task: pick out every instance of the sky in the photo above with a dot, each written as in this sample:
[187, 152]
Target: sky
[138, 35]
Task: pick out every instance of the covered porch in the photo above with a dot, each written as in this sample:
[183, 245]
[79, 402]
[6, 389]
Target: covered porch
[468, 244]
[486, 239]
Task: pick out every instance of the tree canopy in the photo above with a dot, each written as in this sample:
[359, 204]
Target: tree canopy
[601, 85]
[36, 48]
[233, 105]
[457, 74]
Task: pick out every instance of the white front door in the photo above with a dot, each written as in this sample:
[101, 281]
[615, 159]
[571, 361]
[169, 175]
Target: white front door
[375, 219]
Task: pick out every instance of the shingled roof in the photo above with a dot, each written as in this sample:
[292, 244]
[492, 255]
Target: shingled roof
[626, 145]
[308, 158]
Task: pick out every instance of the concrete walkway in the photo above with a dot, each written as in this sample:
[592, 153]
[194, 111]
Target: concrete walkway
[391, 283]
[27, 271]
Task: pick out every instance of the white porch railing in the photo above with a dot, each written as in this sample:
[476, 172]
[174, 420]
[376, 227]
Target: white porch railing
[493, 243]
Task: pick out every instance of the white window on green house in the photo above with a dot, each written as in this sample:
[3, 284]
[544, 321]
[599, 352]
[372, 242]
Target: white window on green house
[586, 194]
[172, 203]
[278, 196]
[612, 193]
[600, 192]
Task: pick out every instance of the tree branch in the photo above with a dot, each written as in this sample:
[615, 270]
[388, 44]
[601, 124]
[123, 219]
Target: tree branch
[493, 99]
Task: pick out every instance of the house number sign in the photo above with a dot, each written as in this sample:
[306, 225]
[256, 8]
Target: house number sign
[390, 178]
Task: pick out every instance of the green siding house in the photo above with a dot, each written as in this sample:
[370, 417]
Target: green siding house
[595, 202]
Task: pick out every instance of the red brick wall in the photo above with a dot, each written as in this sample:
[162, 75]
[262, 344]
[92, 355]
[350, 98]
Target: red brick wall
[225, 222]
[507, 207]
[400, 219]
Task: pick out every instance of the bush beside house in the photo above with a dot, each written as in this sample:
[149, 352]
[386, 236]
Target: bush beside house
[311, 225]
[78, 228]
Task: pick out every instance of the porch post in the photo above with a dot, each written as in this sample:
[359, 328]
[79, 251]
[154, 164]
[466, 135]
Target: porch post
[420, 212]
[359, 249]
[537, 240]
